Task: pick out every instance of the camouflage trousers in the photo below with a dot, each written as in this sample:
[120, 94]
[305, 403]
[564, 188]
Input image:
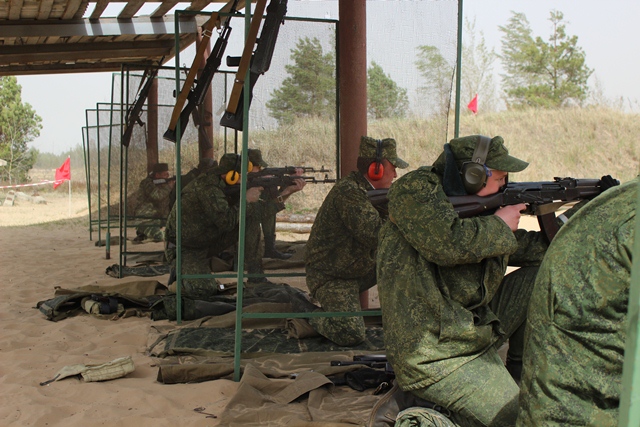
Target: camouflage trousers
[198, 261]
[150, 231]
[336, 294]
[482, 392]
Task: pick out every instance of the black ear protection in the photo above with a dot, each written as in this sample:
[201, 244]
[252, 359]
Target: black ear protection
[233, 176]
[474, 173]
[376, 169]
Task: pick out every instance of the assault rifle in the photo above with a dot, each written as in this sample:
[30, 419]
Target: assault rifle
[542, 198]
[135, 110]
[274, 179]
[260, 62]
[194, 97]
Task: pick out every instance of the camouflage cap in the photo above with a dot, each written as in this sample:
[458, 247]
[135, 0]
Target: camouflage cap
[369, 145]
[255, 157]
[498, 157]
[228, 162]
[160, 167]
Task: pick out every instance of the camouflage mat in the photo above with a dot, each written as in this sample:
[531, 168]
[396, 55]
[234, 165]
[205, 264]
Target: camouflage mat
[118, 271]
[259, 341]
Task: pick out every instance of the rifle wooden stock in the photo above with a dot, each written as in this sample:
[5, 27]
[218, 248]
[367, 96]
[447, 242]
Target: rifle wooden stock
[245, 60]
[180, 112]
[260, 62]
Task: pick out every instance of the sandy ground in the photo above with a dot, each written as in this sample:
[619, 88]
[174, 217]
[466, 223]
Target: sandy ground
[36, 255]
[33, 260]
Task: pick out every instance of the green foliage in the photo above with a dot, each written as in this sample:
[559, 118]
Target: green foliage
[19, 125]
[542, 74]
[310, 89]
[385, 99]
[438, 77]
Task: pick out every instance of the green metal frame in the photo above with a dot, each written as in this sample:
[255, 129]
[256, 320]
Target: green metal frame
[240, 275]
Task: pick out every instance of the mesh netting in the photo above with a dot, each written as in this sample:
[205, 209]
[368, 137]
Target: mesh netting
[396, 31]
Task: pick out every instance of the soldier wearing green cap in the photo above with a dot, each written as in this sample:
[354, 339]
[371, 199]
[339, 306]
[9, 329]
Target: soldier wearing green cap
[447, 306]
[155, 202]
[267, 214]
[341, 250]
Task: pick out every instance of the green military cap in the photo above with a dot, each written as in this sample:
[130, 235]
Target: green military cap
[498, 157]
[368, 147]
[228, 162]
[160, 167]
[255, 157]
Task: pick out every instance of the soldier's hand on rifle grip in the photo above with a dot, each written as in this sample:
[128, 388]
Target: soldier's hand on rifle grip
[253, 194]
[511, 215]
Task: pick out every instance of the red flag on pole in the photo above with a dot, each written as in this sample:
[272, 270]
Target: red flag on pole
[473, 105]
[63, 173]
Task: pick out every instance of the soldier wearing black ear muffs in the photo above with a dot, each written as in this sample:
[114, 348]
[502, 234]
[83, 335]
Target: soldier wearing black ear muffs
[447, 305]
[341, 250]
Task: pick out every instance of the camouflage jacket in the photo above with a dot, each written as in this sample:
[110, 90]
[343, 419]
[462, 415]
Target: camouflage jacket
[206, 213]
[154, 200]
[437, 274]
[344, 236]
[577, 320]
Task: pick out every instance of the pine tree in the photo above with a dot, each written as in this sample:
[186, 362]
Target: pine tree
[539, 73]
[310, 89]
[384, 97]
[19, 125]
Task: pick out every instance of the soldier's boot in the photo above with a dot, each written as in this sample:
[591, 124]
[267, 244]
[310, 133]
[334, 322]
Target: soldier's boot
[255, 267]
[386, 410]
[270, 250]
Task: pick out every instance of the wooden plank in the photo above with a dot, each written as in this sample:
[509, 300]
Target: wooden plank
[45, 9]
[101, 5]
[130, 9]
[15, 9]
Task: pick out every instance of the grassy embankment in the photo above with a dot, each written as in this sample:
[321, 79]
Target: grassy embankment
[583, 143]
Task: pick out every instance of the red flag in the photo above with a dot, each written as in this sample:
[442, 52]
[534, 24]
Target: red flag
[63, 173]
[473, 105]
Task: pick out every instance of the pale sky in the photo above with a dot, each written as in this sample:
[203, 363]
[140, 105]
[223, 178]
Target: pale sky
[606, 32]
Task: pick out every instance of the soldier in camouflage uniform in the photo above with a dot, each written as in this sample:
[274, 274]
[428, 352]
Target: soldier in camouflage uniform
[210, 225]
[447, 305]
[577, 320]
[155, 202]
[268, 216]
[340, 254]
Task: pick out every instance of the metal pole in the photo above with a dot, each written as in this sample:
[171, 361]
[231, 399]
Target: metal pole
[458, 71]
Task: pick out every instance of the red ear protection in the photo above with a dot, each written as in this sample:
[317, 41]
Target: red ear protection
[376, 169]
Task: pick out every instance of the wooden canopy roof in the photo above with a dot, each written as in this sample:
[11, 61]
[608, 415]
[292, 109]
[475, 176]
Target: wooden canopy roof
[69, 36]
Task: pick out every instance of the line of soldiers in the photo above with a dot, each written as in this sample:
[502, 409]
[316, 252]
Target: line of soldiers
[447, 303]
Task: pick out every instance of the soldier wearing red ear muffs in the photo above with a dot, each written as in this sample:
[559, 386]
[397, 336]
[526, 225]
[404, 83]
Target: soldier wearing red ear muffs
[341, 250]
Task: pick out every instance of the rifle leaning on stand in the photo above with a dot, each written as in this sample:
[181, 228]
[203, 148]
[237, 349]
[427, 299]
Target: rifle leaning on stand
[135, 110]
[542, 198]
[194, 97]
[259, 61]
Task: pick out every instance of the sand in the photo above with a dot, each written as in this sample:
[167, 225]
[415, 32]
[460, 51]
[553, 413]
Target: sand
[37, 255]
[35, 259]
